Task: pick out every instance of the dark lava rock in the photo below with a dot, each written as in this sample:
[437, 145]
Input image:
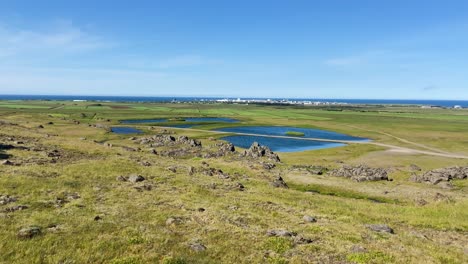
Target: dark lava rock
[172, 169]
[225, 147]
[145, 163]
[136, 178]
[258, 151]
[122, 178]
[380, 228]
[201, 210]
[361, 173]
[279, 183]
[268, 166]
[29, 232]
[15, 208]
[197, 247]
[441, 175]
[309, 219]
[280, 233]
[40, 126]
[6, 199]
[240, 187]
[299, 240]
[97, 218]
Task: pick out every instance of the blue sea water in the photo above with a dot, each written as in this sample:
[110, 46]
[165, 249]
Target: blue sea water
[443, 103]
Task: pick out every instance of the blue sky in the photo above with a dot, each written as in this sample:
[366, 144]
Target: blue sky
[315, 49]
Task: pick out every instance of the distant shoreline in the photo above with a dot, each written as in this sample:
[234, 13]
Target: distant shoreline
[290, 101]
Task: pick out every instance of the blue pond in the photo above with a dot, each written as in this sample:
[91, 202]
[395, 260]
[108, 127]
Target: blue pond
[281, 131]
[280, 144]
[187, 119]
[285, 144]
[125, 130]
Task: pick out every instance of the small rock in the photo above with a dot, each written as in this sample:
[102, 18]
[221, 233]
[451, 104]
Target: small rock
[15, 208]
[174, 221]
[172, 169]
[380, 228]
[122, 178]
[309, 219]
[29, 232]
[240, 187]
[97, 218]
[136, 178]
[280, 233]
[279, 183]
[7, 162]
[201, 210]
[299, 240]
[197, 247]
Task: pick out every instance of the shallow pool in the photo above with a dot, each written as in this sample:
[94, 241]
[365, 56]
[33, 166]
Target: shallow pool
[281, 144]
[281, 131]
[125, 130]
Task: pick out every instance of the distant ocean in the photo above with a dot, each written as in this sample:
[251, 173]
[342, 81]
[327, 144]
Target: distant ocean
[443, 103]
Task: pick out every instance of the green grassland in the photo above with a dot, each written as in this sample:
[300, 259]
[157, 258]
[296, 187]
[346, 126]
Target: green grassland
[133, 224]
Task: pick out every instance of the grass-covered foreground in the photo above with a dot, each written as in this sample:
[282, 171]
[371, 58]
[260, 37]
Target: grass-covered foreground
[198, 206]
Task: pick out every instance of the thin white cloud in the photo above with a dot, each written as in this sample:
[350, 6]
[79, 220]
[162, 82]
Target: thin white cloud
[57, 39]
[345, 61]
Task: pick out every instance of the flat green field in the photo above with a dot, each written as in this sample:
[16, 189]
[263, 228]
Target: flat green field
[63, 165]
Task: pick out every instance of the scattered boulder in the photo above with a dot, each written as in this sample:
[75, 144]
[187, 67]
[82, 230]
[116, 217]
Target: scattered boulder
[280, 233]
[439, 176]
[309, 219]
[240, 186]
[198, 247]
[97, 218]
[136, 178]
[15, 208]
[6, 199]
[29, 232]
[279, 183]
[300, 240]
[380, 228]
[175, 220]
[361, 173]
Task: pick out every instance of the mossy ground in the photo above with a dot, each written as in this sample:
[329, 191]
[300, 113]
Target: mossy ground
[233, 226]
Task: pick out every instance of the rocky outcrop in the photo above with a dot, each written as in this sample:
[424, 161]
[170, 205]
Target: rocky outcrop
[257, 151]
[438, 176]
[361, 173]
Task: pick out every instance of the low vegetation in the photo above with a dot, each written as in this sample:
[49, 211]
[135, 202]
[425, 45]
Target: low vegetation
[73, 192]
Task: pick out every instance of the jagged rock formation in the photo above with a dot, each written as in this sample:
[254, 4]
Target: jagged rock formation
[361, 173]
[258, 151]
[441, 175]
